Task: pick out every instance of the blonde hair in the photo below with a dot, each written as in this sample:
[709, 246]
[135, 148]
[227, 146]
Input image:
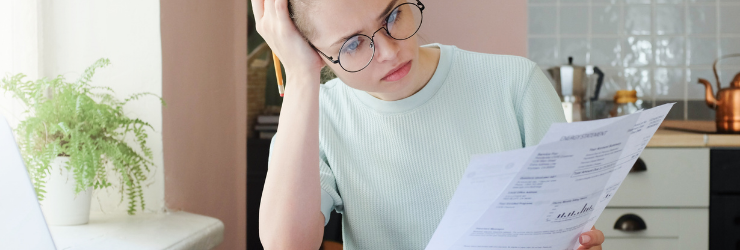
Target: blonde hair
[298, 10]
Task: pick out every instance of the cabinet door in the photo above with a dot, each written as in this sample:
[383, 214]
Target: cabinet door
[646, 243]
[725, 171]
[724, 222]
[674, 177]
[666, 228]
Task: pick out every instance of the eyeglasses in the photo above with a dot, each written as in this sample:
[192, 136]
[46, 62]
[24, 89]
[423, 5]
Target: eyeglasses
[358, 51]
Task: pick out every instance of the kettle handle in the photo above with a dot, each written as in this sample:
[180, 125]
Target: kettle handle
[714, 67]
[599, 83]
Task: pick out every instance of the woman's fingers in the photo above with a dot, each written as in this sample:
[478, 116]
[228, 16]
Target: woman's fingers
[591, 238]
[590, 248]
[283, 16]
[269, 8]
[281, 8]
[258, 9]
[280, 33]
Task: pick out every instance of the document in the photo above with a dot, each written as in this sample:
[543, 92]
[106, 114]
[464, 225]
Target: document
[545, 196]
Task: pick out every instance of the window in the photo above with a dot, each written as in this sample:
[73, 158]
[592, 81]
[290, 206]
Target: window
[19, 49]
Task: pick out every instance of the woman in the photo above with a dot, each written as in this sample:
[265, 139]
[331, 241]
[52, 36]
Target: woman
[385, 143]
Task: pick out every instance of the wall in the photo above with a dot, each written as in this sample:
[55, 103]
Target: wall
[498, 27]
[204, 52]
[76, 33]
[198, 66]
[657, 47]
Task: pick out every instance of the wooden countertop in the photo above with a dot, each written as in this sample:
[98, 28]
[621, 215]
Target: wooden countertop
[692, 134]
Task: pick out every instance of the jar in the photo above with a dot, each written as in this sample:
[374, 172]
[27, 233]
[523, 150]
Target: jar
[624, 103]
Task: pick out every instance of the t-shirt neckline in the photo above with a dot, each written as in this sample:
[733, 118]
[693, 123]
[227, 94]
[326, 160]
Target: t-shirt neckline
[420, 97]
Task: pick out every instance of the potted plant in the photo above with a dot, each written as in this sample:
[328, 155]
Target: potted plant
[78, 130]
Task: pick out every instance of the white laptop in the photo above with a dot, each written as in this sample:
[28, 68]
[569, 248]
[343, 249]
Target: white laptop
[22, 225]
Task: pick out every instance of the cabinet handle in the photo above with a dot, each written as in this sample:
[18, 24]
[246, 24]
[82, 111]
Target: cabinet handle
[639, 166]
[630, 223]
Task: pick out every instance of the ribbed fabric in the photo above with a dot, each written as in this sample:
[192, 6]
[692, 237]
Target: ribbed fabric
[391, 168]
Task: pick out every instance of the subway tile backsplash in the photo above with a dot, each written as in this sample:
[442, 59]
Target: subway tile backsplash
[657, 47]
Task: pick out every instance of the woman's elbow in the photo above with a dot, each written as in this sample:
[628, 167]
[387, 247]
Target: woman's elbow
[273, 236]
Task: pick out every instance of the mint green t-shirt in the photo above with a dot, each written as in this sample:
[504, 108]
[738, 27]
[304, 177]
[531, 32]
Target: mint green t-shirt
[391, 167]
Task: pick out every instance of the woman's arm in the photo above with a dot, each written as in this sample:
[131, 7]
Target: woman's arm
[290, 209]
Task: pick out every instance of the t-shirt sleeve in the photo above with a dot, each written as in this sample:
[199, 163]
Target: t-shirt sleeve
[330, 198]
[539, 107]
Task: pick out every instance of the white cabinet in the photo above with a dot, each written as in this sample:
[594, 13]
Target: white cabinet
[671, 197]
[666, 228]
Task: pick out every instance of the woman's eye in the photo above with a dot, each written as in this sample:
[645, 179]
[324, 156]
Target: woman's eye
[392, 17]
[352, 45]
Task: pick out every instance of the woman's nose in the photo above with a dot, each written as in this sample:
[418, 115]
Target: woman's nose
[386, 48]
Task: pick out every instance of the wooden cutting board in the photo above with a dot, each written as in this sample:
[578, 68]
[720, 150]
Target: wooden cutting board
[674, 133]
[703, 127]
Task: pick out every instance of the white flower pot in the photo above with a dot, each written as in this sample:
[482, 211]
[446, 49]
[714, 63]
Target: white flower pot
[61, 206]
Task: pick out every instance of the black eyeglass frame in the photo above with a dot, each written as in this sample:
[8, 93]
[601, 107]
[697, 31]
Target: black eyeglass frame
[418, 4]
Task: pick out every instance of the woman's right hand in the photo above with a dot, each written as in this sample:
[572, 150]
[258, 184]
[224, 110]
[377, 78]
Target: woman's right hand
[290, 208]
[277, 28]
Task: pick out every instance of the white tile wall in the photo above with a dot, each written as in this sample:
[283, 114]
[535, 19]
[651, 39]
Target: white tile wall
[657, 47]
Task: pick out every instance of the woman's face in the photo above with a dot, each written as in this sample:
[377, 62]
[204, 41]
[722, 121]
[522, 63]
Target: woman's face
[334, 20]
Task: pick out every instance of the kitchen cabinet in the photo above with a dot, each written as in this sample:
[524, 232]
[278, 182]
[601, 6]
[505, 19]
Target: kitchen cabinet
[666, 228]
[674, 177]
[724, 201]
[687, 196]
[669, 199]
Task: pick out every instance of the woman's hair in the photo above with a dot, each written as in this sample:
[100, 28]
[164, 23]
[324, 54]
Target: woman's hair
[298, 10]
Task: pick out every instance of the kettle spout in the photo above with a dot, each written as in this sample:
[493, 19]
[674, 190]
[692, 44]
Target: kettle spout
[711, 101]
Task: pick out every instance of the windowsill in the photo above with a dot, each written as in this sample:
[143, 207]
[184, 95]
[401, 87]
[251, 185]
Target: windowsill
[176, 230]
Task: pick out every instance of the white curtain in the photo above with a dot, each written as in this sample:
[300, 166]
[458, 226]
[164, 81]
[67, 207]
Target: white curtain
[19, 49]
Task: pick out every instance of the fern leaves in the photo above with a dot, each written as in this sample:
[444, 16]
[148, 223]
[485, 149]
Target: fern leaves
[87, 124]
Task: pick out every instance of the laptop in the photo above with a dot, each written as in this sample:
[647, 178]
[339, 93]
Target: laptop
[22, 224]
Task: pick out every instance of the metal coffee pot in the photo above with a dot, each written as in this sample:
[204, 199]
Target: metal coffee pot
[572, 83]
[727, 103]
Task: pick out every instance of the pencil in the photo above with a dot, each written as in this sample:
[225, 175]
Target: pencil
[279, 74]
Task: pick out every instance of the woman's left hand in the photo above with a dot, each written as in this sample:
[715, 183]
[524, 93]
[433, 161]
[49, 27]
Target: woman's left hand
[591, 240]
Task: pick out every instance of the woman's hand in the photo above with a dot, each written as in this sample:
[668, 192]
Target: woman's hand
[290, 208]
[591, 240]
[275, 26]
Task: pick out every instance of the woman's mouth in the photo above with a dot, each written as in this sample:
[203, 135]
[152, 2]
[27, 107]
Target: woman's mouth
[398, 73]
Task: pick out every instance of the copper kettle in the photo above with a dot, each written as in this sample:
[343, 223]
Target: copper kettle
[727, 103]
